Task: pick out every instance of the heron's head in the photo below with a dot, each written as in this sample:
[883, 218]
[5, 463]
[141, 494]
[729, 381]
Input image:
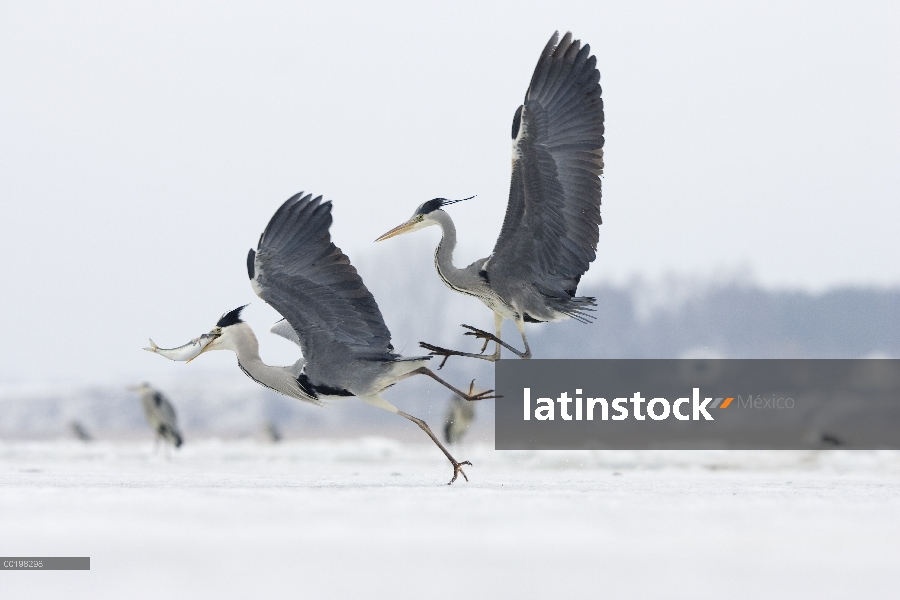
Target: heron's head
[422, 217]
[225, 332]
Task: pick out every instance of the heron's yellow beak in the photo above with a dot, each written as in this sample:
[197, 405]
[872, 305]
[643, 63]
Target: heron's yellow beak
[399, 230]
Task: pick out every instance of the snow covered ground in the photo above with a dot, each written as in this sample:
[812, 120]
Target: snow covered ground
[372, 518]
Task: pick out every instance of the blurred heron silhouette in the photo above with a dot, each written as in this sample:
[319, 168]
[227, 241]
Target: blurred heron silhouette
[160, 415]
[460, 415]
[79, 431]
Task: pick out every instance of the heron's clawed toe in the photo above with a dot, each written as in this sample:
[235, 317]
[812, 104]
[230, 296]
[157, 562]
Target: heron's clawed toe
[481, 335]
[438, 351]
[486, 395]
[457, 470]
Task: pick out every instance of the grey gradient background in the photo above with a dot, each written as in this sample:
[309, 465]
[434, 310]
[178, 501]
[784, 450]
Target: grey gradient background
[143, 149]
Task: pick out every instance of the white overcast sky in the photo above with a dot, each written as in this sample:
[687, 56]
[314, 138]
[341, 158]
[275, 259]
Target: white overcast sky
[144, 148]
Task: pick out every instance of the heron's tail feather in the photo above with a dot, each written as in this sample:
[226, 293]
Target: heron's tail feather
[578, 308]
[171, 434]
[412, 358]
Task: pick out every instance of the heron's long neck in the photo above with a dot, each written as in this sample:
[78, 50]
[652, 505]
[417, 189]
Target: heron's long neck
[443, 254]
[245, 345]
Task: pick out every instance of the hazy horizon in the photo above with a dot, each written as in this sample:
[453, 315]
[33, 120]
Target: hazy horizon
[144, 148]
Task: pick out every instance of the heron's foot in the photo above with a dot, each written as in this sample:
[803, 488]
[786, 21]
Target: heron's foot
[438, 351]
[487, 395]
[490, 337]
[481, 335]
[457, 470]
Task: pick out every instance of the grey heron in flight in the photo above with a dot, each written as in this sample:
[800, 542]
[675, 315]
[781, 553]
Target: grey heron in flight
[160, 414]
[328, 312]
[550, 232]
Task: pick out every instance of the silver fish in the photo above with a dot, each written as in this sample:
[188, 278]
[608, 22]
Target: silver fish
[184, 353]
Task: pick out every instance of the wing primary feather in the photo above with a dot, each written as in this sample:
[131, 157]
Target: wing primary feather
[539, 72]
[306, 278]
[251, 260]
[550, 231]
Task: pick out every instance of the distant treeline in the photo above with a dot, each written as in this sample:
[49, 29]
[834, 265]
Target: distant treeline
[732, 321]
[673, 319]
[726, 315]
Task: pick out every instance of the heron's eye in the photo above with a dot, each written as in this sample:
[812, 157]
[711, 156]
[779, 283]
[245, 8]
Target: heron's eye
[217, 331]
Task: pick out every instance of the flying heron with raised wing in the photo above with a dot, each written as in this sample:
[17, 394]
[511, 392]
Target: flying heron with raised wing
[328, 312]
[160, 414]
[550, 232]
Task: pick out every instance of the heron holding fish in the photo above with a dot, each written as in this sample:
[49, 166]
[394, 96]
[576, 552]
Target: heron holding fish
[328, 312]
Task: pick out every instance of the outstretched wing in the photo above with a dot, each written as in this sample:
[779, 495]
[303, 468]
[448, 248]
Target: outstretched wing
[550, 232]
[305, 277]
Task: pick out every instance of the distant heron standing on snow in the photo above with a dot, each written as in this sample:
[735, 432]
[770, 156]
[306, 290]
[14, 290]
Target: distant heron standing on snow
[327, 311]
[79, 431]
[160, 414]
[550, 232]
[271, 431]
[459, 416]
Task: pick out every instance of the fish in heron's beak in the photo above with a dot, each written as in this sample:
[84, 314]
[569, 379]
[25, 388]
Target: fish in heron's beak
[189, 351]
[411, 225]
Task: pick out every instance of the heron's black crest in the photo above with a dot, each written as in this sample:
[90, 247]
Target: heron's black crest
[231, 318]
[433, 205]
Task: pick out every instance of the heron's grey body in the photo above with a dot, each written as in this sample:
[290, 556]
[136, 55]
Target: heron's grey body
[79, 431]
[346, 345]
[328, 312]
[313, 379]
[160, 414]
[271, 431]
[459, 417]
[551, 228]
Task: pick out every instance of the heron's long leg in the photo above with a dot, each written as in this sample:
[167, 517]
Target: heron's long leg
[498, 324]
[498, 327]
[381, 403]
[447, 353]
[457, 466]
[470, 397]
[521, 326]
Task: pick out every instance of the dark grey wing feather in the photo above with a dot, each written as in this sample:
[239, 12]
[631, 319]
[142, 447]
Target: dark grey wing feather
[550, 232]
[305, 277]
